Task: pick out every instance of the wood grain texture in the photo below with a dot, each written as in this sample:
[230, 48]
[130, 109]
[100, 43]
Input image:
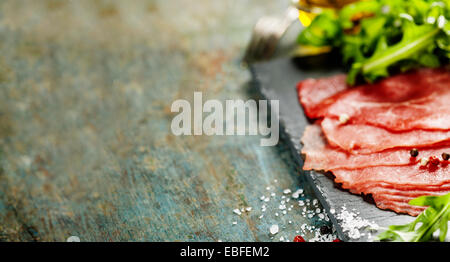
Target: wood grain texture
[85, 143]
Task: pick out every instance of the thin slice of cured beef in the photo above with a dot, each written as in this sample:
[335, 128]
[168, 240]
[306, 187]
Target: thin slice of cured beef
[366, 139]
[414, 176]
[400, 204]
[395, 196]
[313, 93]
[414, 100]
[319, 155]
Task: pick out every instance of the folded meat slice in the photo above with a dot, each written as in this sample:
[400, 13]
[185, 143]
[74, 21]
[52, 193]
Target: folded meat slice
[414, 100]
[398, 206]
[366, 139]
[313, 93]
[400, 177]
[393, 196]
[400, 203]
[319, 155]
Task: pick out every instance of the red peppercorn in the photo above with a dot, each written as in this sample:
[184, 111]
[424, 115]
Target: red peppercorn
[434, 160]
[299, 239]
[337, 240]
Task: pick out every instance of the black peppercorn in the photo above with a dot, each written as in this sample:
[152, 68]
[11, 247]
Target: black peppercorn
[414, 152]
[325, 230]
[445, 156]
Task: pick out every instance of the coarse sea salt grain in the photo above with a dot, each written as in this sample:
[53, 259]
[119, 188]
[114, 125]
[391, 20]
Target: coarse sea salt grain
[237, 211]
[286, 191]
[274, 229]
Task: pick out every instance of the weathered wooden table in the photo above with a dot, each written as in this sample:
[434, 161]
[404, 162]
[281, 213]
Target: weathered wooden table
[85, 142]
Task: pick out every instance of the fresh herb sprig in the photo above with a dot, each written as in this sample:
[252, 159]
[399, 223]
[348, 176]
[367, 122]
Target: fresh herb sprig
[377, 36]
[434, 218]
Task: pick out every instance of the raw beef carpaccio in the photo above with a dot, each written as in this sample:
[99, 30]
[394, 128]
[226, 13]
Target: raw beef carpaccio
[323, 156]
[409, 101]
[391, 142]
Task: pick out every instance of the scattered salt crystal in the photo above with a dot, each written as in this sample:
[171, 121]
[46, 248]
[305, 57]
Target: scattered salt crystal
[234, 223]
[281, 207]
[237, 211]
[287, 191]
[248, 209]
[272, 194]
[273, 229]
[332, 211]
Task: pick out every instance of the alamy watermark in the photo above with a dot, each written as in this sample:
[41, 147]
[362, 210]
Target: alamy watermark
[237, 118]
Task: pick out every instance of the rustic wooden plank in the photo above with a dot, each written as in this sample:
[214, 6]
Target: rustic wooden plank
[86, 148]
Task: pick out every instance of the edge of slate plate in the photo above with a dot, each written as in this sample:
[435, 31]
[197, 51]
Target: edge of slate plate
[276, 80]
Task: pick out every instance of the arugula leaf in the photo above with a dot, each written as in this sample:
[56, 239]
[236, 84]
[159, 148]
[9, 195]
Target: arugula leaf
[434, 218]
[377, 36]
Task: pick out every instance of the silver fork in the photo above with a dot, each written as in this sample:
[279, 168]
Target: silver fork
[267, 34]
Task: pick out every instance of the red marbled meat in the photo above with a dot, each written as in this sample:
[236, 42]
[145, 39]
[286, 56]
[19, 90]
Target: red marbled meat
[319, 155]
[414, 100]
[366, 139]
[313, 93]
[395, 196]
[364, 135]
[398, 176]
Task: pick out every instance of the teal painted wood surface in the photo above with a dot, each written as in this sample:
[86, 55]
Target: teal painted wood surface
[85, 142]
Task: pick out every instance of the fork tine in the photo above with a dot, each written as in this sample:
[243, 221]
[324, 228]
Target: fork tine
[266, 35]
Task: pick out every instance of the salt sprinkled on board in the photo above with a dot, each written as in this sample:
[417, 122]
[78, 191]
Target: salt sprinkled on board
[352, 223]
[275, 207]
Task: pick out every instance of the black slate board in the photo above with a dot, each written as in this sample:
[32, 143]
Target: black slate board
[277, 80]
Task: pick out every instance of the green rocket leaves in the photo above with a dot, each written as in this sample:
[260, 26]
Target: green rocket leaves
[377, 37]
[434, 218]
